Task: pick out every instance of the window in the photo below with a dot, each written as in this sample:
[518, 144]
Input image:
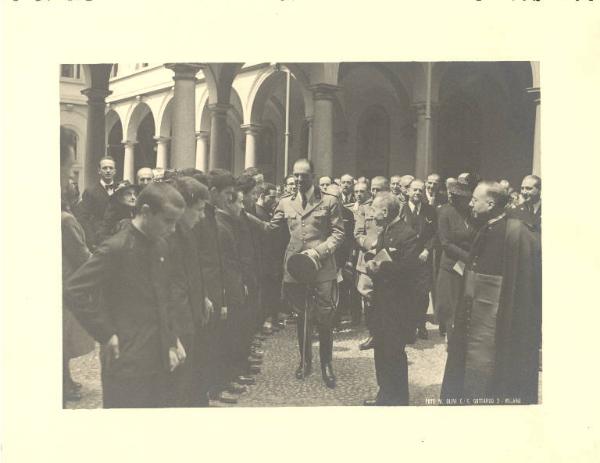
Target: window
[70, 71]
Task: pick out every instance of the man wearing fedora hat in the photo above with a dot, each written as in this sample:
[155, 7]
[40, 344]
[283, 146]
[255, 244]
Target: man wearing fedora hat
[316, 230]
[455, 232]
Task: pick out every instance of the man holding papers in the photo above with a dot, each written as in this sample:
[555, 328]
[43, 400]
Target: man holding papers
[392, 267]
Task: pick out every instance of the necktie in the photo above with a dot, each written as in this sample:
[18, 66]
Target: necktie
[304, 200]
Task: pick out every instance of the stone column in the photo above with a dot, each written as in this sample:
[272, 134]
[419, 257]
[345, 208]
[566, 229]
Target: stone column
[218, 132]
[202, 150]
[424, 156]
[183, 144]
[309, 121]
[322, 129]
[252, 132]
[95, 132]
[537, 153]
[129, 161]
[162, 152]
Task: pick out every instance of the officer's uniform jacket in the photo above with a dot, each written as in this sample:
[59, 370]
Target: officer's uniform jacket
[319, 226]
[366, 232]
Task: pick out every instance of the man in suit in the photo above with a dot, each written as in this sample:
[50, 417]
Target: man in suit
[395, 186]
[94, 201]
[324, 182]
[433, 196]
[272, 249]
[144, 176]
[315, 224]
[347, 194]
[422, 219]
[530, 211]
[120, 296]
[366, 232]
[393, 279]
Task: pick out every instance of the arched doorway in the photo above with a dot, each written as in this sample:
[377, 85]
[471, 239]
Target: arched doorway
[373, 142]
[145, 149]
[114, 146]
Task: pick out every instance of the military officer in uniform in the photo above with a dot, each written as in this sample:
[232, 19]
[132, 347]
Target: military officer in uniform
[316, 228]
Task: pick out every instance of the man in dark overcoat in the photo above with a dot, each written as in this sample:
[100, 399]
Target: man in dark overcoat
[421, 217]
[120, 296]
[393, 279]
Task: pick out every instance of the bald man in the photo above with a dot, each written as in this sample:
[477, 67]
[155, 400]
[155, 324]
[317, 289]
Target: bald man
[347, 194]
[144, 176]
[493, 351]
[530, 211]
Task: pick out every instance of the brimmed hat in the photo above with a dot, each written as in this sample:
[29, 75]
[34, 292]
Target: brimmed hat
[124, 185]
[303, 268]
[460, 188]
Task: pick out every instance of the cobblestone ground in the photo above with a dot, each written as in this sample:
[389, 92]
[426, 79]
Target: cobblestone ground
[276, 385]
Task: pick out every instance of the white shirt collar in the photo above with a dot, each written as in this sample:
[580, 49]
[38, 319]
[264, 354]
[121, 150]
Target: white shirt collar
[413, 207]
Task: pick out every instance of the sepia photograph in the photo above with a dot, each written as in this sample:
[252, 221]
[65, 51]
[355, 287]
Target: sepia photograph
[301, 234]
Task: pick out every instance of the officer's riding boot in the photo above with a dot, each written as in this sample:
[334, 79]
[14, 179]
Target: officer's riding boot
[305, 367]
[325, 354]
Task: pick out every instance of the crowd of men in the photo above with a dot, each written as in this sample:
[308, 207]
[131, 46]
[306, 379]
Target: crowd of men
[180, 276]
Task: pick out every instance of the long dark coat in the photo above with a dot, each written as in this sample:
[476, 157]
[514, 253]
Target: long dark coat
[518, 324]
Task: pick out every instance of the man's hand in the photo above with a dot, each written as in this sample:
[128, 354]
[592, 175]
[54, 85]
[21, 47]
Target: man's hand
[312, 253]
[224, 313]
[180, 351]
[173, 358]
[424, 255]
[113, 346]
[209, 309]
[373, 267]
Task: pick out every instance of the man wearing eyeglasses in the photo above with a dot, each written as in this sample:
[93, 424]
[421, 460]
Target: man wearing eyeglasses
[493, 351]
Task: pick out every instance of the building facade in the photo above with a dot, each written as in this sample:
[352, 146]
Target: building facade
[361, 118]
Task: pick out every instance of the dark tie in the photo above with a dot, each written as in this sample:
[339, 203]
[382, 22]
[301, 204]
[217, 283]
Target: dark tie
[304, 200]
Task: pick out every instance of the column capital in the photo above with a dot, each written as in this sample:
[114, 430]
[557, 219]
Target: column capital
[309, 119]
[535, 94]
[251, 128]
[96, 95]
[219, 109]
[324, 91]
[420, 107]
[184, 71]
[202, 135]
[161, 139]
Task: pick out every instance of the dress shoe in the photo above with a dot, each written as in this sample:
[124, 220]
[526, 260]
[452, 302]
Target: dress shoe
[246, 380]
[75, 385]
[267, 328]
[254, 369]
[422, 333]
[236, 388]
[307, 370]
[370, 403]
[367, 344]
[71, 395]
[227, 398]
[328, 375]
[254, 361]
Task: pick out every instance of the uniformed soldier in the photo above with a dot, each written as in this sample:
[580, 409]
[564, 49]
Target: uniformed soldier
[315, 225]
